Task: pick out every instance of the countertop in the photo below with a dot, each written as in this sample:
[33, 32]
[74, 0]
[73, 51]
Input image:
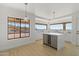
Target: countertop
[54, 33]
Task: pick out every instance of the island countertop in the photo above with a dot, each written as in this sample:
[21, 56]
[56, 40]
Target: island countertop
[54, 33]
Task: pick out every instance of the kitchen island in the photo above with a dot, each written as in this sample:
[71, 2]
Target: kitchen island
[55, 40]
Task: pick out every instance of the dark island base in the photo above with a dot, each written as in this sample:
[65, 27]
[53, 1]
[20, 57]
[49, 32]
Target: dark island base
[50, 46]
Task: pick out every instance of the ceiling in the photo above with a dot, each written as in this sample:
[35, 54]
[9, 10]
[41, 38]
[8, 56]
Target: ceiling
[45, 10]
[19, 6]
[61, 9]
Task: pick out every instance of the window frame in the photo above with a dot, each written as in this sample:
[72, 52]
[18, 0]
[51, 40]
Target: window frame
[19, 30]
[64, 25]
[41, 24]
[67, 23]
[56, 24]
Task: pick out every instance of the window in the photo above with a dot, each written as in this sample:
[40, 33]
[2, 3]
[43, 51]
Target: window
[11, 26]
[68, 26]
[18, 28]
[40, 26]
[56, 27]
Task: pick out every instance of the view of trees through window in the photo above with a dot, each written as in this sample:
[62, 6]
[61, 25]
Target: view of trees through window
[18, 28]
[56, 27]
[40, 26]
[67, 27]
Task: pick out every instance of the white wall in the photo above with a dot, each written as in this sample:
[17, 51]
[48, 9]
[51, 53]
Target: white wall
[61, 20]
[43, 21]
[4, 13]
[76, 29]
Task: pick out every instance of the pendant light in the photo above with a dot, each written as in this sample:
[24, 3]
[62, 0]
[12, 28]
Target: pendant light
[53, 14]
[25, 10]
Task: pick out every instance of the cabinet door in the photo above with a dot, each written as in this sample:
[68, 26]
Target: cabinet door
[54, 41]
[45, 39]
[49, 40]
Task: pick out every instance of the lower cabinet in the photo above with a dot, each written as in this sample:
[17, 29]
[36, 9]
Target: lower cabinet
[45, 39]
[50, 40]
[54, 41]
